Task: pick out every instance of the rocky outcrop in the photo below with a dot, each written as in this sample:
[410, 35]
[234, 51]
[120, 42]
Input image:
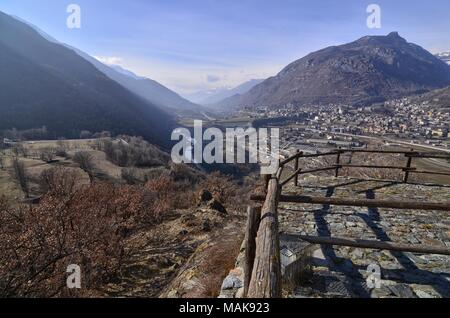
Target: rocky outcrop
[233, 285]
[206, 199]
[203, 274]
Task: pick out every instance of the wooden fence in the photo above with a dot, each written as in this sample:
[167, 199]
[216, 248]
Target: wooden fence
[263, 268]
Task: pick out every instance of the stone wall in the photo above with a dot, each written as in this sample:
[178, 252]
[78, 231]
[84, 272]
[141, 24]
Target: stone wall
[233, 284]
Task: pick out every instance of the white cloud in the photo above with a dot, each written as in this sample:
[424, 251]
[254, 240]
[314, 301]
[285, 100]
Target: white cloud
[110, 60]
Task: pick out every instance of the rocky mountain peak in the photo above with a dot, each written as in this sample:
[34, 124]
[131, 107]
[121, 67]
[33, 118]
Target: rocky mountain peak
[395, 35]
[369, 70]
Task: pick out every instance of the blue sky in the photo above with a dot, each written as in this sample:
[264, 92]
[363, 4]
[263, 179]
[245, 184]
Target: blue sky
[191, 45]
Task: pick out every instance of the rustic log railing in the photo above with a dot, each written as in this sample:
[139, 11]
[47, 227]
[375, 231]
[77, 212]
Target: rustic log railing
[407, 168]
[263, 268]
[265, 280]
[370, 203]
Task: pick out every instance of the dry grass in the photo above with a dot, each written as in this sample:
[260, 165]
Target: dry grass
[203, 274]
[220, 259]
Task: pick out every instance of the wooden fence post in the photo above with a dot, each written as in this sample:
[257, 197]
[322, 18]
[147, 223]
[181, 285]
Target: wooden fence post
[253, 219]
[408, 165]
[266, 275]
[296, 167]
[266, 179]
[338, 162]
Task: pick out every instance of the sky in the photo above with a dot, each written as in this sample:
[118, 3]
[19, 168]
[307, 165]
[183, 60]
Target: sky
[197, 45]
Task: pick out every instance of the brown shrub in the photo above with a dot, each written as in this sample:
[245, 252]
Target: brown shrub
[47, 155]
[86, 226]
[38, 243]
[221, 187]
[176, 195]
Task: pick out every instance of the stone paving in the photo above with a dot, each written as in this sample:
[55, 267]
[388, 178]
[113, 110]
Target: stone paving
[343, 271]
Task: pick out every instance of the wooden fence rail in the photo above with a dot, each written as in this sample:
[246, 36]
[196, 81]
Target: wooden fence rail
[378, 245]
[262, 269]
[393, 204]
[407, 168]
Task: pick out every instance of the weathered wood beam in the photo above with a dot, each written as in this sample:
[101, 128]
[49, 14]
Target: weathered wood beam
[251, 230]
[415, 154]
[434, 155]
[430, 155]
[266, 275]
[390, 246]
[292, 176]
[266, 180]
[406, 170]
[296, 167]
[375, 167]
[302, 155]
[378, 151]
[394, 204]
[316, 170]
[430, 172]
[279, 172]
[287, 160]
[338, 164]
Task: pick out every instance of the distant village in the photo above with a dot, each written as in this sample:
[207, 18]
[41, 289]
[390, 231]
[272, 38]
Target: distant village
[400, 119]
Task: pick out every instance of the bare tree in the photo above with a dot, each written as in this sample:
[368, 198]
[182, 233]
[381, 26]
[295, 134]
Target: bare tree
[47, 155]
[2, 161]
[59, 180]
[62, 147]
[19, 150]
[20, 174]
[86, 162]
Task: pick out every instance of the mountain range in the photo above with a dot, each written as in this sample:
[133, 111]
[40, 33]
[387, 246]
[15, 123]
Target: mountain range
[150, 90]
[47, 84]
[369, 70]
